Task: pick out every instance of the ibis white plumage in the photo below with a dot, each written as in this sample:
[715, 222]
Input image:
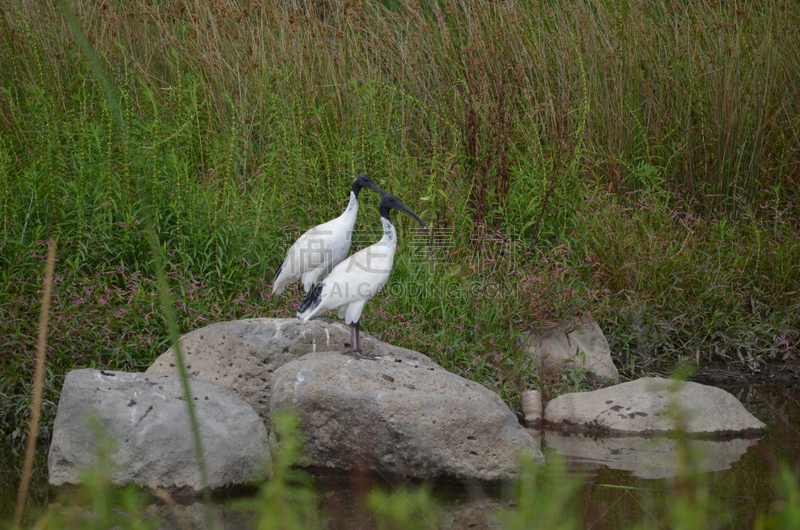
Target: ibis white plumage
[322, 247]
[358, 278]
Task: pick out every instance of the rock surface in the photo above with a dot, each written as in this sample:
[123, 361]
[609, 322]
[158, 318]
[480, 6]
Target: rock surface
[652, 405]
[400, 417]
[646, 457]
[580, 344]
[147, 416]
[179, 516]
[480, 513]
[242, 355]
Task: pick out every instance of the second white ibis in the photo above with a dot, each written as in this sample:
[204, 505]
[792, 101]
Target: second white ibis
[357, 279]
[322, 247]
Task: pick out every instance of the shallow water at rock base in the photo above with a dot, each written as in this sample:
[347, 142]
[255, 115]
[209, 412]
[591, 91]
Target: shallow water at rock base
[625, 481]
[738, 472]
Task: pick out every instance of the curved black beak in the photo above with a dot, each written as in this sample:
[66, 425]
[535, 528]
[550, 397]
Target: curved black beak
[390, 201]
[406, 209]
[374, 187]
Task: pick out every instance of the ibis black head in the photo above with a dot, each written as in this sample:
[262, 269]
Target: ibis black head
[363, 181]
[390, 202]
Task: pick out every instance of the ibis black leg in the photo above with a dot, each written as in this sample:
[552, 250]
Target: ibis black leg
[358, 338]
[355, 342]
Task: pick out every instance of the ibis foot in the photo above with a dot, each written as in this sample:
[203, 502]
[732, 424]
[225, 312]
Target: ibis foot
[366, 356]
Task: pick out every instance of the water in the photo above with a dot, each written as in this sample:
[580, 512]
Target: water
[622, 481]
[624, 477]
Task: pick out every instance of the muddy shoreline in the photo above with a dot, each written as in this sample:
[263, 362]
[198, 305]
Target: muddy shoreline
[780, 373]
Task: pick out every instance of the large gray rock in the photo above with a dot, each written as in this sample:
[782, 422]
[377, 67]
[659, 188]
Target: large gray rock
[649, 457]
[652, 405]
[400, 417]
[580, 345]
[479, 513]
[147, 416]
[242, 355]
[180, 516]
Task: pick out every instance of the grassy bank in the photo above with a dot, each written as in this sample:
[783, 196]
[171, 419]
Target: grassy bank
[635, 162]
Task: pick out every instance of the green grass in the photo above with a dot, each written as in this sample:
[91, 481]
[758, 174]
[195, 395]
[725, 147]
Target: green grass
[634, 162]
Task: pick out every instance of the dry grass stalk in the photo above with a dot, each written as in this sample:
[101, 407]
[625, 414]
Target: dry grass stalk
[38, 382]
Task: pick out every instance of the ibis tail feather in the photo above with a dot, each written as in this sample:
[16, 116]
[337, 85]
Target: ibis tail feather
[310, 302]
[279, 283]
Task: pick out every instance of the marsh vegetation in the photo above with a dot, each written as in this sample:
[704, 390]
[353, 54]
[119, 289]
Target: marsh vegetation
[634, 161]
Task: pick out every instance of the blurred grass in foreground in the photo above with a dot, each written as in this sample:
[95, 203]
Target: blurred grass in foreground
[549, 496]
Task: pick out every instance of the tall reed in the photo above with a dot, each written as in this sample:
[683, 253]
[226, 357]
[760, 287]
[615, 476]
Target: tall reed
[38, 381]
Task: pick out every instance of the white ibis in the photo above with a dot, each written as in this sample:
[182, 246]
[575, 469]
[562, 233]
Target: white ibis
[322, 247]
[357, 279]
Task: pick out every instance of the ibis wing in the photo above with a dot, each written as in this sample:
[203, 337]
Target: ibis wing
[313, 255]
[354, 311]
[311, 301]
[353, 282]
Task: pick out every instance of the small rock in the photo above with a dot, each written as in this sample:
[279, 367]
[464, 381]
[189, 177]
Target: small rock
[652, 405]
[146, 415]
[425, 422]
[242, 355]
[579, 344]
[532, 408]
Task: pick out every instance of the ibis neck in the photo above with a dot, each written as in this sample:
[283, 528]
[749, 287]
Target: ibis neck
[385, 212]
[389, 233]
[352, 209]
